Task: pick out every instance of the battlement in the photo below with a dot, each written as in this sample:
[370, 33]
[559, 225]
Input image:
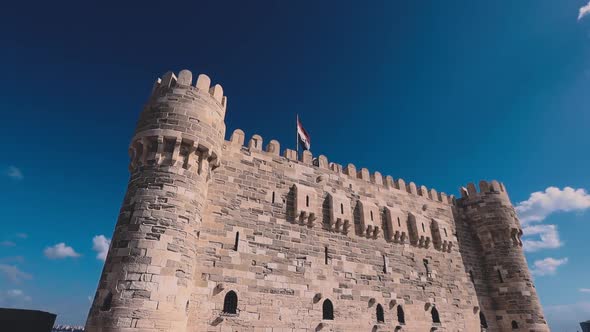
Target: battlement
[237, 140]
[185, 79]
[485, 188]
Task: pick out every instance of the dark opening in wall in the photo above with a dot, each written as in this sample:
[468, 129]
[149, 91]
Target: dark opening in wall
[435, 315]
[107, 302]
[341, 208]
[237, 243]
[423, 228]
[482, 320]
[307, 201]
[380, 314]
[514, 325]
[371, 215]
[401, 317]
[328, 310]
[273, 197]
[326, 256]
[399, 223]
[445, 232]
[500, 276]
[230, 303]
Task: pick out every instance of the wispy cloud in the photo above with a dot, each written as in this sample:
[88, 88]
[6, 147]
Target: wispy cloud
[7, 243]
[14, 172]
[547, 266]
[13, 274]
[584, 11]
[545, 237]
[565, 317]
[59, 251]
[101, 244]
[584, 290]
[22, 235]
[14, 298]
[543, 203]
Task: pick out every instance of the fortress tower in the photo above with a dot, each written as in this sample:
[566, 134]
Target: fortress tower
[496, 225]
[148, 277]
[228, 235]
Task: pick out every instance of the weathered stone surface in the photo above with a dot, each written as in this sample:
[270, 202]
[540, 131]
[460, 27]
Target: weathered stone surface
[205, 219]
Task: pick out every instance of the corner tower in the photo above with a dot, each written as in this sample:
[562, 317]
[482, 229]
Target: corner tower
[492, 217]
[148, 276]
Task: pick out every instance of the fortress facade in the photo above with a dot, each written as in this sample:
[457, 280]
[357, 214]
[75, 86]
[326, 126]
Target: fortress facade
[217, 235]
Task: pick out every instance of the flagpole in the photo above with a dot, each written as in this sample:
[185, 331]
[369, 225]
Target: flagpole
[297, 136]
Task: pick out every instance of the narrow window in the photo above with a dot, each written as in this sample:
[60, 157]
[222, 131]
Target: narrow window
[435, 316]
[425, 261]
[514, 325]
[482, 320]
[326, 255]
[230, 303]
[186, 306]
[237, 243]
[371, 215]
[273, 197]
[307, 201]
[401, 317]
[500, 276]
[399, 223]
[341, 208]
[471, 276]
[328, 310]
[380, 314]
[385, 265]
[423, 229]
[107, 303]
[446, 232]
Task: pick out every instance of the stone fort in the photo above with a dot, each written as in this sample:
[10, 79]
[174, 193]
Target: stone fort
[218, 235]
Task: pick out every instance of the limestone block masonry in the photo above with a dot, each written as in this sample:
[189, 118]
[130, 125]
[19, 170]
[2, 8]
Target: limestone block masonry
[217, 235]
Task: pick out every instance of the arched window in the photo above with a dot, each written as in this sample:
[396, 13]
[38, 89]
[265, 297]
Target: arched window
[107, 302]
[401, 317]
[435, 316]
[230, 303]
[237, 243]
[482, 320]
[514, 325]
[328, 310]
[380, 314]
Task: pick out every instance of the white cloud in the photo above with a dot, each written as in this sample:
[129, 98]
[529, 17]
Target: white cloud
[7, 244]
[60, 250]
[14, 298]
[584, 290]
[13, 273]
[101, 244]
[22, 235]
[541, 204]
[14, 172]
[546, 237]
[584, 10]
[547, 266]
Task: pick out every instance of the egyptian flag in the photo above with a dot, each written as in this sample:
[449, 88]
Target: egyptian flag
[303, 135]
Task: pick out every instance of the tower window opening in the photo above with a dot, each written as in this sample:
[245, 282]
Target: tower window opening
[328, 310]
[482, 320]
[500, 276]
[237, 243]
[273, 197]
[380, 314]
[230, 303]
[399, 223]
[307, 201]
[435, 315]
[326, 255]
[401, 317]
[423, 228]
[385, 265]
[341, 208]
[514, 325]
[107, 302]
[371, 215]
[425, 262]
[445, 232]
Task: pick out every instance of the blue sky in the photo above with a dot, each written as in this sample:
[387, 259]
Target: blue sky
[440, 93]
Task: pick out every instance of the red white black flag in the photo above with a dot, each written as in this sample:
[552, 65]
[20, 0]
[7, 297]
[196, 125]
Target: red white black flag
[303, 135]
